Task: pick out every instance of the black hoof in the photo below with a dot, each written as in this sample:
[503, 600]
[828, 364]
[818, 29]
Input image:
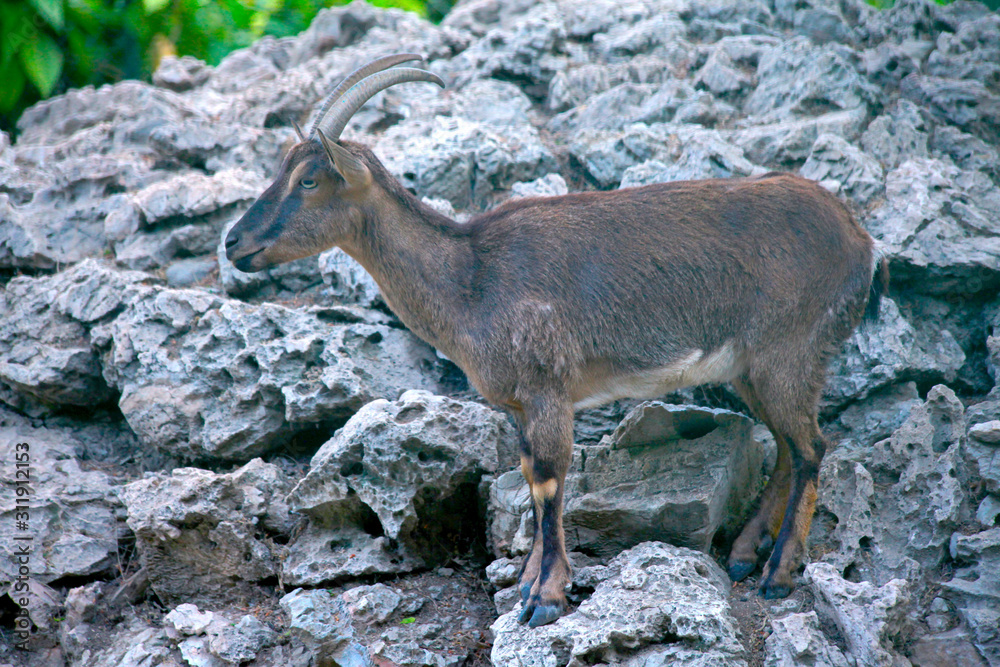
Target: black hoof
[545, 614]
[740, 570]
[774, 591]
[526, 613]
[766, 545]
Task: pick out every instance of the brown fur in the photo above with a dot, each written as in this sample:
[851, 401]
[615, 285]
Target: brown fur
[544, 302]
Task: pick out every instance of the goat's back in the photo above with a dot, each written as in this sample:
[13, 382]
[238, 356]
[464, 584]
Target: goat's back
[643, 274]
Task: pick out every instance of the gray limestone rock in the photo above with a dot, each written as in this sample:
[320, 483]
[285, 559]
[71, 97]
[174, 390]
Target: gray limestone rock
[869, 617]
[47, 357]
[242, 642]
[347, 280]
[529, 50]
[975, 588]
[966, 150]
[876, 417]
[550, 185]
[915, 478]
[193, 195]
[786, 144]
[628, 103]
[970, 52]
[668, 473]
[887, 352]
[798, 78]
[410, 465]
[898, 135]
[188, 620]
[206, 377]
[890, 62]
[371, 604]
[323, 623]
[946, 649]
[702, 155]
[967, 103]
[720, 75]
[69, 511]
[983, 450]
[463, 161]
[651, 605]
[796, 639]
[179, 74]
[937, 228]
[580, 83]
[82, 603]
[509, 513]
[911, 19]
[187, 272]
[203, 535]
[988, 511]
[844, 169]
[135, 642]
[502, 573]
[669, 151]
[347, 546]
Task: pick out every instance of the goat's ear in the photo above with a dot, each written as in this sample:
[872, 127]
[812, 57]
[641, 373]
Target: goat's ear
[351, 168]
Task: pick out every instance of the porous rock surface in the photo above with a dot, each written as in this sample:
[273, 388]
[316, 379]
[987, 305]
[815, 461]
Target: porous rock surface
[130, 347]
[201, 534]
[653, 604]
[409, 465]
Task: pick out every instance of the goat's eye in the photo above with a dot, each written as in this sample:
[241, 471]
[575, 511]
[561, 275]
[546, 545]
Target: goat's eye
[307, 183]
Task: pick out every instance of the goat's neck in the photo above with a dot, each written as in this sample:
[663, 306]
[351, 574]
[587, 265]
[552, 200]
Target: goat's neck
[422, 268]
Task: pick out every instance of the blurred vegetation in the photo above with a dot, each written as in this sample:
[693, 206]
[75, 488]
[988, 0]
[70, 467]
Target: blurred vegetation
[49, 46]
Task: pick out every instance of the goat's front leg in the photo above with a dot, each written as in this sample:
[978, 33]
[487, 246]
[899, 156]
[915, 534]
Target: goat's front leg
[547, 447]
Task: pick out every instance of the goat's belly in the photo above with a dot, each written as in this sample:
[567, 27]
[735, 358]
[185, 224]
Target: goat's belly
[692, 369]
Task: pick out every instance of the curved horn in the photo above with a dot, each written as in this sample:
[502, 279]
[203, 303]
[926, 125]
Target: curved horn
[365, 89]
[366, 70]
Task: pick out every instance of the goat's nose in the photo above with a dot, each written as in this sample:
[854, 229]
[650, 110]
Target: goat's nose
[231, 240]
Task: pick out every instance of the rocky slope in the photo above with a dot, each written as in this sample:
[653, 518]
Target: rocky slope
[268, 469]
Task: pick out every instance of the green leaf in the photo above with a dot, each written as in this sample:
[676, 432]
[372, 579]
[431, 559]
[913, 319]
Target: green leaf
[42, 62]
[83, 52]
[10, 91]
[51, 11]
[153, 6]
[88, 15]
[408, 620]
[409, 5]
[15, 29]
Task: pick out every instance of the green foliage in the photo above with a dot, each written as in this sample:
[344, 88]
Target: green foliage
[886, 4]
[49, 46]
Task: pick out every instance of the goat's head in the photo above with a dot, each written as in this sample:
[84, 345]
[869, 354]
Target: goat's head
[315, 200]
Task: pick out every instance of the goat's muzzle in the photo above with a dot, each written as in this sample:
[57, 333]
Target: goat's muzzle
[243, 256]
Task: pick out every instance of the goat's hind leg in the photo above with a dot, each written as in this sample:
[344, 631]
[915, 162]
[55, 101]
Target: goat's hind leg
[789, 409]
[807, 447]
[548, 436]
[761, 530]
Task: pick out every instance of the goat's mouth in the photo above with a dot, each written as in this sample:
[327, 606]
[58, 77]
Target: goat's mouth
[250, 263]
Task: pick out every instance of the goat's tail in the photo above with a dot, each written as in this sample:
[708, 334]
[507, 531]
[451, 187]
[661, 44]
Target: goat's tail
[879, 286]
